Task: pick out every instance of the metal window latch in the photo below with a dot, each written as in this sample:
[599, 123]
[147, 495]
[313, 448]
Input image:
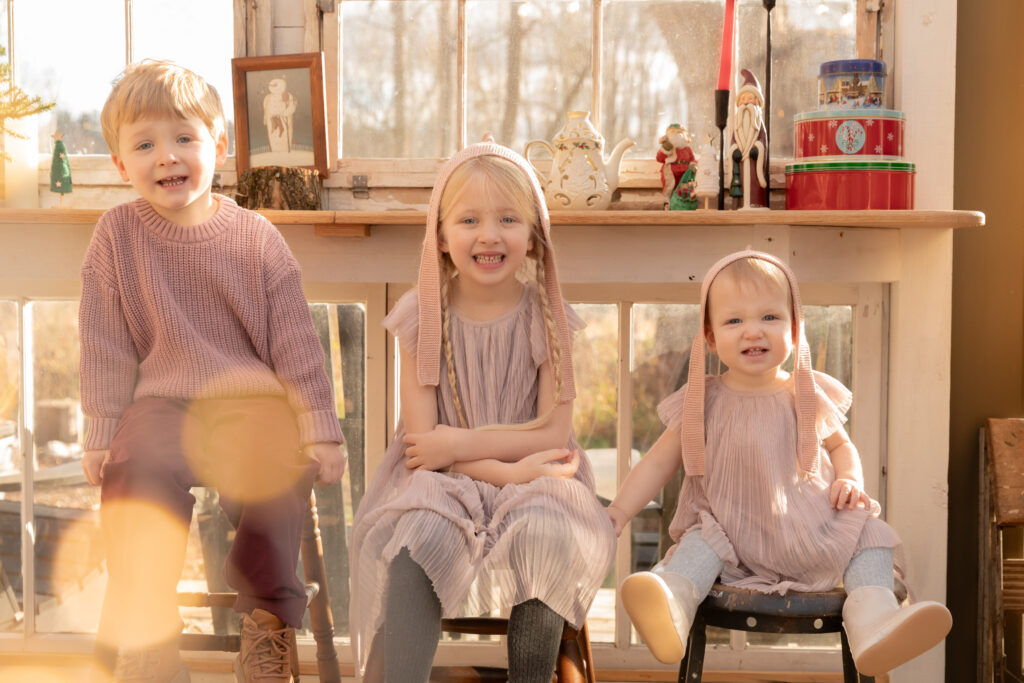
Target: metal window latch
[325, 6]
[361, 187]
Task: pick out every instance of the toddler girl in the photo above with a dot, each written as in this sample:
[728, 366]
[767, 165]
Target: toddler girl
[773, 497]
[482, 501]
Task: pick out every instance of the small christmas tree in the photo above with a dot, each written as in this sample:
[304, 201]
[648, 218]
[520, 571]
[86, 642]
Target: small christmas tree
[60, 169]
[15, 103]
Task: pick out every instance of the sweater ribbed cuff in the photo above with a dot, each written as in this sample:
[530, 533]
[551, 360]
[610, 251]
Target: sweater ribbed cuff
[319, 426]
[100, 433]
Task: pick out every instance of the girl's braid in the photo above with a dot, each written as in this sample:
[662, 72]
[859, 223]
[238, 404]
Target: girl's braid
[446, 339]
[549, 324]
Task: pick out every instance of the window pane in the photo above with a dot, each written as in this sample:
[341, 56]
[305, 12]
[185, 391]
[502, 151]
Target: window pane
[662, 335]
[594, 417]
[157, 30]
[667, 76]
[830, 336]
[670, 75]
[10, 471]
[69, 573]
[345, 350]
[74, 67]
[529, 64]
[805, 33]
[398, 87]
[594, 421]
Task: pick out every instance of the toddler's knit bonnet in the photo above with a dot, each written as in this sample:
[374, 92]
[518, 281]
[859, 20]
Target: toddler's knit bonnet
[693, 403]
[428, 353]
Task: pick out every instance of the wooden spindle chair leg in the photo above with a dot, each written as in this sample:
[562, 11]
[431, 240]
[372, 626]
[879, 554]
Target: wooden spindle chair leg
[571, 668]
[320, 617]
[588, 653]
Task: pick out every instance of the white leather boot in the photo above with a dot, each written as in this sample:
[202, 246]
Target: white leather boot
[661, 606]
[883, 635]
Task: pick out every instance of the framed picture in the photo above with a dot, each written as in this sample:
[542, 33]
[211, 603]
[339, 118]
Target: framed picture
[280, 111]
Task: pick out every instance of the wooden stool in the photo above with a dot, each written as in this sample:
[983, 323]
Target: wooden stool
[318, 602]
[575, 660]
[739, 609]
[1001, 579]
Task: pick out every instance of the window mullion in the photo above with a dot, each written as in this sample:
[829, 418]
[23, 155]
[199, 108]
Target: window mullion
[128, 32]
[597, 51]
[624, 449]
[460, 76]
[26, 443]
[10, 43]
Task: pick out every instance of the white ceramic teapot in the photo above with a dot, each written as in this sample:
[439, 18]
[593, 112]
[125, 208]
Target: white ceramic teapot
[580, 177]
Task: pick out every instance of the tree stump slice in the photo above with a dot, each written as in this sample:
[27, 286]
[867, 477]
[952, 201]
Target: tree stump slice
[279, 187]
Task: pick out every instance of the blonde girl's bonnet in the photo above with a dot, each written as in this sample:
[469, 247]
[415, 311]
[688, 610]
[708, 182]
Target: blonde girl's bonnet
[428, 348]
[693, 403]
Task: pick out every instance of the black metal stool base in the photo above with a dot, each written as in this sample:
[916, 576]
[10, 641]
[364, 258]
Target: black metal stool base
[739, 609]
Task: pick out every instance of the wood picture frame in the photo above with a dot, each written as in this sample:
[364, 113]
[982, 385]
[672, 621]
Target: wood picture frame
[280, 111]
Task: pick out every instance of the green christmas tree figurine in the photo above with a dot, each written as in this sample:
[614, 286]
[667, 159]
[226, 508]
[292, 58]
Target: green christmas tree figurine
[60, 169]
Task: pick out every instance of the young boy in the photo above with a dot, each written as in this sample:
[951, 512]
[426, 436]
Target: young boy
[200, 366]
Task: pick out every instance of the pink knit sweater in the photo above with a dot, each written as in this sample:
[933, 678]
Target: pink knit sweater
[214, 310]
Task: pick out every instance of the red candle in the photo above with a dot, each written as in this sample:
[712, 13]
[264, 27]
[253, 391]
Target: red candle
[725, 67]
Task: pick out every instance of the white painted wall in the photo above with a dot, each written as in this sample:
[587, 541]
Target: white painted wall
[924, 69]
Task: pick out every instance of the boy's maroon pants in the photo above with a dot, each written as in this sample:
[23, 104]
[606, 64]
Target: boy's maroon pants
[246, 448]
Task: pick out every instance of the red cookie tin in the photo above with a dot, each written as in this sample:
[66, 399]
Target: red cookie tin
[848, 133]
[850, 184]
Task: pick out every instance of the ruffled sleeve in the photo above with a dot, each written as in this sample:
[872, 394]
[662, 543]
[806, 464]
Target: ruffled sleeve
[404, 322]
[576, 323]
[834, 401]
[538, 332]
[670, 410]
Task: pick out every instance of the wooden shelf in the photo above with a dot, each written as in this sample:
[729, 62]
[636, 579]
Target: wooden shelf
[359, 223]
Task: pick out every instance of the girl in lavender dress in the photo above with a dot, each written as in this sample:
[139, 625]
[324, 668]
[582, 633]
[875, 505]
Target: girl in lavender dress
[773, 497]
[483, 503]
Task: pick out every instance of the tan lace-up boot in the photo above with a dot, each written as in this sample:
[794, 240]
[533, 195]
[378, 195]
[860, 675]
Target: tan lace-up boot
[268, 650]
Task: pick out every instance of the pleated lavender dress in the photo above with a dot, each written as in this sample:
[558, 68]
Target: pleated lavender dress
[485, 548]
[770, 522]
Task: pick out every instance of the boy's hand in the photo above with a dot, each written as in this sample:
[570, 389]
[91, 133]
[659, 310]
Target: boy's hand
[846, 493]
[331, 457]
[92, 465]
[556, 462]
[618, 518]
[434, 450]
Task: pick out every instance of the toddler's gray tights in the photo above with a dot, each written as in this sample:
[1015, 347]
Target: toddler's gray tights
[695, 560]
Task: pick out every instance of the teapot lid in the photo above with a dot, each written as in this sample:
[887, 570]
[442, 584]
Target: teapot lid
[579, 131]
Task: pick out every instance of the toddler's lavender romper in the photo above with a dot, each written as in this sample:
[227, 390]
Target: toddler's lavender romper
[770, 522]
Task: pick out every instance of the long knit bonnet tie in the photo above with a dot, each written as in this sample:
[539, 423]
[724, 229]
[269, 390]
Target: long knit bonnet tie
[428, 353]
[692, 436]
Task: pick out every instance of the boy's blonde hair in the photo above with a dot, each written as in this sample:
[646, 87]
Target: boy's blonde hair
[508, 180]
[158, 89]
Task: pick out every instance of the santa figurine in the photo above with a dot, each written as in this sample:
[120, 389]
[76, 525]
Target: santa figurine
[749, 143]
[675, 157]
